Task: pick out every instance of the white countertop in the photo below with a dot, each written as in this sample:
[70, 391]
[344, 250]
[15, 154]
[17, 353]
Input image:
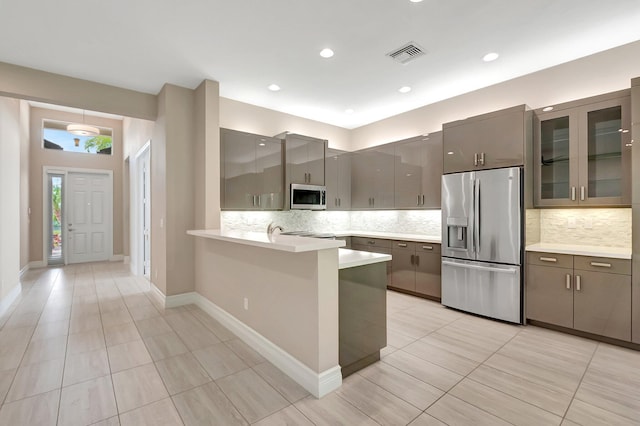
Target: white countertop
[422, 238]
[579, 250]
[275, 241]
[350, 258]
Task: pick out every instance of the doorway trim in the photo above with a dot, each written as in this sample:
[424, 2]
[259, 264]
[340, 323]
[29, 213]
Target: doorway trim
[46, 170]
[137, 211]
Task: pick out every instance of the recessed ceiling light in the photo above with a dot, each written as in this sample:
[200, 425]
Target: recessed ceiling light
[415, 1]
[348, 111]
[547, 109]
[404, 89]
[274, 87]
[490, 57]
[261, 144]
[450, 153]
[326, 53]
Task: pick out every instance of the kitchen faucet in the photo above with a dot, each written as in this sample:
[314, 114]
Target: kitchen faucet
[272, 228]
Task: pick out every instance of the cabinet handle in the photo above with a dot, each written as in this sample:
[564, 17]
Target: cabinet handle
[578, 283]
[600, 264]
[402, 245]
[427, 247]
[418, 201]
[254, 200]
[413, 257]
[549, 259]
[573, 193]
[259, 200]
[582, 193]
[568, 281]
[482, 158]
[417, 260]
[475, 158]
[371, 242]
[422, 200]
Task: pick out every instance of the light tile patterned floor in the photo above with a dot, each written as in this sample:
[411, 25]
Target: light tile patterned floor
[85, 345]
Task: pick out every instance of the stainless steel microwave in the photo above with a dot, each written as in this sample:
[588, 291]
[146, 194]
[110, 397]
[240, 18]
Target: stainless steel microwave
[308, 197]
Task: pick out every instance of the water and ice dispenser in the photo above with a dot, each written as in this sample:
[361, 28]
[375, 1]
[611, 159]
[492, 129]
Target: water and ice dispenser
[457, 233]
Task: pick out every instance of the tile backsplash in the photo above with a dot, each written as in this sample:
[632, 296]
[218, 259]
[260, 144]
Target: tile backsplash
[593, 227]
[426, 222]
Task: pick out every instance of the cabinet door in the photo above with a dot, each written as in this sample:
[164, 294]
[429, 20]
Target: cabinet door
[297, 158]
[550, 295]
[556, 172]
[269, 175]
[374, 249]
[239, 150]
[361, 179]
[498, 136]
[605, 158]
[432, 171]
[409, 169]
[338, 179]
[382, 183]
[315, 162]
[428, 272]
[602, 304]
[403, 270]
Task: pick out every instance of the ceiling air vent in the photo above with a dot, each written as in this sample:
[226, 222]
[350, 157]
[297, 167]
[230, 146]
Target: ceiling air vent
[407, 53]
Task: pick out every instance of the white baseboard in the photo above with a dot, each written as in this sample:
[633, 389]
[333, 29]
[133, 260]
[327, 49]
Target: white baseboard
[24, 270]
[318, 384]
[37, 264]
[157, 295]
[181, 299]
[11, 297]
[116, 258]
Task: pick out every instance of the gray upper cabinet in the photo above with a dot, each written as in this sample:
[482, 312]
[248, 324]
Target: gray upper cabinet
[338, 179]
[583, 153]
[418, 172]
[305, 159]
[487, 141]
[252, 171]
[372, 178]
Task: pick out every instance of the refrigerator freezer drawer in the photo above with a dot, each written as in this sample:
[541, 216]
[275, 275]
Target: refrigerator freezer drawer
[482, 288]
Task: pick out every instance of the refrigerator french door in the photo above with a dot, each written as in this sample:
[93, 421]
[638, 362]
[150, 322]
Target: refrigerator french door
[482, 243]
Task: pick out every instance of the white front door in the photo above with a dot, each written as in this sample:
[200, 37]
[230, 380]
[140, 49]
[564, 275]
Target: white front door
[89, 218]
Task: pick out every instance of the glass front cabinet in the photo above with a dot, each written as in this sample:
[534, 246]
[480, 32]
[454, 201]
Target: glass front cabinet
[583, 154]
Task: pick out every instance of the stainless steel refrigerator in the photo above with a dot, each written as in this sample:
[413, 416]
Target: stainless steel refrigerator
[482, 214]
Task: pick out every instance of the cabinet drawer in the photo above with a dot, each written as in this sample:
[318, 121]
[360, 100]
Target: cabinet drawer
[427, 248]
[376, 242]
[603, 264]
[371, 248]
[550, 259]
[404, 245]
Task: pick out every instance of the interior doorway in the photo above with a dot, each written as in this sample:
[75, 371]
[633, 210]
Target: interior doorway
[78, 219]
[141, 202]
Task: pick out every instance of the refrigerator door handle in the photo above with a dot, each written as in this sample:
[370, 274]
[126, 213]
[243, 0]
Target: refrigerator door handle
[476, 215]
[480, 267]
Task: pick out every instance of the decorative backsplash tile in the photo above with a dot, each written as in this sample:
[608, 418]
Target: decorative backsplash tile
[593, 227]
[425, 222]
[532, 218]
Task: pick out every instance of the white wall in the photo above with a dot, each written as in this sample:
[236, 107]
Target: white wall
[603, 72]
[10, 138]
[253, 119]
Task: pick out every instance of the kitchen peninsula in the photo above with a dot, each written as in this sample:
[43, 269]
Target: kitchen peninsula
[281, 295]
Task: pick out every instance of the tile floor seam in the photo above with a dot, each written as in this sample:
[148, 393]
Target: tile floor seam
[348, 402]
[584, 373]
[64, 366]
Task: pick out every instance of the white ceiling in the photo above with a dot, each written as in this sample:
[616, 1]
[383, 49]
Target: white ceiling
[247, 45]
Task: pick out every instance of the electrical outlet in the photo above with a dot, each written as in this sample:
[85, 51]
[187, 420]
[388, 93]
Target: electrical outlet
[161, 223]
[571, 222]
[246, 304]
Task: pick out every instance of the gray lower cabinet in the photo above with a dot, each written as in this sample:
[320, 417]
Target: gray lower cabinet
[415, 267]
[338, 179]
[251, 171]
[375, 245]
[589, 294]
